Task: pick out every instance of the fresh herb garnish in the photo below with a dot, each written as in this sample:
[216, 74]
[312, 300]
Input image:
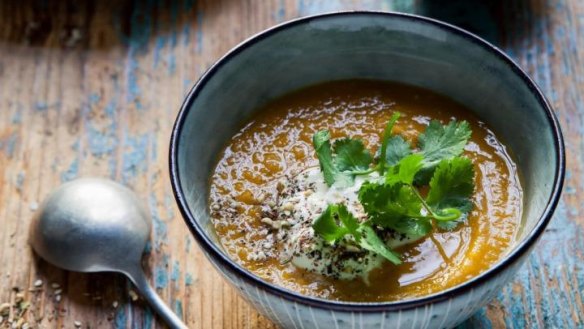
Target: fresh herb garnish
[371, 241]
[394, 201]
[397, 149]
[452, 186]
[336, 222]
[385, 141]
[351, 158]
[405, 170]
[322, 146]
[397, 204]
[441, 142]
[438, 142]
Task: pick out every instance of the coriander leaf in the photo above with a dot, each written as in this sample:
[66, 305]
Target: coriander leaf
[449, 225]
[385, 140]
[349, 221]
[397, 149]
[452, 186]
[388, 204]
[327, 224]
[372, 242]
[351, 155]
[322, 146]
[440, 142]
[414, 227]
[344, 179]
[409, 167]
[405, 170]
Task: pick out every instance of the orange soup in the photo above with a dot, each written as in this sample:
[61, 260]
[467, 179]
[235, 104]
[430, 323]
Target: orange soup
[276, 146]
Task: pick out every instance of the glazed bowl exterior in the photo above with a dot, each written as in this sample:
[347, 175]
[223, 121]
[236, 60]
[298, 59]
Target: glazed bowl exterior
[385, 46]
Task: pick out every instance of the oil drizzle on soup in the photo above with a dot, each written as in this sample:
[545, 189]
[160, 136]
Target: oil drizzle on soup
[277, 143]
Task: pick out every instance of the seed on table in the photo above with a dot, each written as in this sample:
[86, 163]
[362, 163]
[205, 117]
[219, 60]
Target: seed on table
[34, 206]
[55, 285]
[4, 308]
[133, 295]
[23, 306]
[38, 283]
[77, 324]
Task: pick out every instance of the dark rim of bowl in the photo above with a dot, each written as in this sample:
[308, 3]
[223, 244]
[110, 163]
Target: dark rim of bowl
[218, 255]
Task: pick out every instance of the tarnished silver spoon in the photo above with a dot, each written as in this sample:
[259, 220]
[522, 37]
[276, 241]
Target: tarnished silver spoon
[96, 225]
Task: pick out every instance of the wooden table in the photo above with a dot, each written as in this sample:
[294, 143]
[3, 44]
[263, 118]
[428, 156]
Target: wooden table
[93, 87]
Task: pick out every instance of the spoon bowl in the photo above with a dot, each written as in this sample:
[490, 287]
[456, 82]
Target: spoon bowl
[91, 225]
[97, 225]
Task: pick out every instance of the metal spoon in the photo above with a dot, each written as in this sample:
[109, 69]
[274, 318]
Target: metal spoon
[96, 225]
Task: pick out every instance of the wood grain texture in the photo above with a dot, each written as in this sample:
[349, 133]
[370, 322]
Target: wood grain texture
[91, 88]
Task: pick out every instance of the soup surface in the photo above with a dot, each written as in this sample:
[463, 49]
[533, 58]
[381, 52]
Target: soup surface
[276, 144]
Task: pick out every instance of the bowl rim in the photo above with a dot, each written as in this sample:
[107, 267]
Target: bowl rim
[214, 252]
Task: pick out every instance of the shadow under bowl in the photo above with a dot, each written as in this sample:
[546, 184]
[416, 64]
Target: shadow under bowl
[371, 45]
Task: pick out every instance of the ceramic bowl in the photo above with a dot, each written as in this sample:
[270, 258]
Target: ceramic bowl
[386, 46]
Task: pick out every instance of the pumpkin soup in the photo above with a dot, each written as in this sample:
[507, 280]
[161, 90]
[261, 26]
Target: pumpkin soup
[364, 190]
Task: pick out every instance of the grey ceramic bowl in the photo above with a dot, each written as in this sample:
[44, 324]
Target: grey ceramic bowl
[387, 46]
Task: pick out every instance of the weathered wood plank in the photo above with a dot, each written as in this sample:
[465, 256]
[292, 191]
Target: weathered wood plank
[93, 87]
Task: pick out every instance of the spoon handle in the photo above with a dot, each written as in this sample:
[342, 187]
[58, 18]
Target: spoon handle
[139, 279]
